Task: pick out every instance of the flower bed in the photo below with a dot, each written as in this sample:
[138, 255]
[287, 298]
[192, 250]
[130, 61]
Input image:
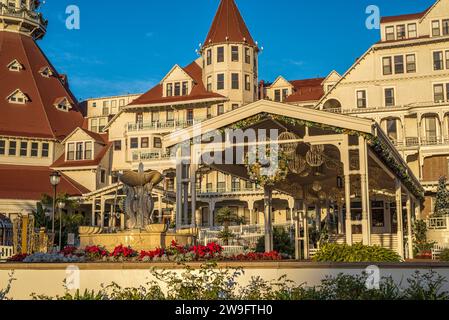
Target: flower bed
[174, 253]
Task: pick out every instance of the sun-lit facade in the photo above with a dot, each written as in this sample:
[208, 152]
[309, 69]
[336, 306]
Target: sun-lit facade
[401, 82]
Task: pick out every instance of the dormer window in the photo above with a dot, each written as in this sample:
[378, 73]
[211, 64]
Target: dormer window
[412, 33]
[15, 66]
[400, 29]
[389, 33]
[18, 97]
[46, 72]
[63, 104]
[79, 151]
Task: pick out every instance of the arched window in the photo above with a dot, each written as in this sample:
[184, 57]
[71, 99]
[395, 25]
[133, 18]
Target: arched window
[332, 105]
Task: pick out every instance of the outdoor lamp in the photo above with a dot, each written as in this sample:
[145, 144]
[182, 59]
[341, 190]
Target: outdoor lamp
[61, 206]
[55, 178]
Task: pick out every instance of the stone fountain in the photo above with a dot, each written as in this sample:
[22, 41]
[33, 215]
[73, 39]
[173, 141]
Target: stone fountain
[141, 233]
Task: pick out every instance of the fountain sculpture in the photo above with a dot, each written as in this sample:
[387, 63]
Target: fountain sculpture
[139, 204]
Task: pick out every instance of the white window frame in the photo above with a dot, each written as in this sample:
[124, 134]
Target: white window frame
[356, 91]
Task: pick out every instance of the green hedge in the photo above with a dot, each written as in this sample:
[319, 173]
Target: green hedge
[333, 252]
[444, 256]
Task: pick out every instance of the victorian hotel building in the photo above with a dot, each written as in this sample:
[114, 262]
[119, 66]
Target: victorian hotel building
[389, 115]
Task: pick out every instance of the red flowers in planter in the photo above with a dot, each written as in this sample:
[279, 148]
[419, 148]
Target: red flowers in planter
[69, 250]
[125, 252]
[254, 256]
[17, 258]
[152, 254]
[96, 252]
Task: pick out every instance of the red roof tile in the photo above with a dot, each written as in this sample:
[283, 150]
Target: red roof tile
[199, 92]
[228, 26]
[404, 17]
[39, 117]
[30, 183]
[307, 90]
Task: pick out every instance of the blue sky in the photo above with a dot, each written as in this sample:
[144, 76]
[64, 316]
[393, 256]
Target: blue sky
[128, 46]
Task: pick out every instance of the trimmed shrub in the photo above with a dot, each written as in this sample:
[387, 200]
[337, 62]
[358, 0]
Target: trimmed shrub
[281, 242]
[333, 252]
[444, 256]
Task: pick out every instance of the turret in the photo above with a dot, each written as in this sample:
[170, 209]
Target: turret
[230, 57]
[21, 16]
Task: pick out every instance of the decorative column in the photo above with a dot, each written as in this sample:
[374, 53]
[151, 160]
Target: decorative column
[193, 172]
[318, 216]
[418, 210]
[251, 212]
[340, 219]
[291, 205]
[400, 232]
[366, 225]
[268, 202]
[178, 189]
[305, 224]
[211, 213]
[348, 227]
[409, 227]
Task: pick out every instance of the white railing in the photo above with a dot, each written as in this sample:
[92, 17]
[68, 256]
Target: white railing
[437, 250]
[438, 223]
[149, 156]
[370, 109]
[6, 252]
[159, 125]
[244, 235]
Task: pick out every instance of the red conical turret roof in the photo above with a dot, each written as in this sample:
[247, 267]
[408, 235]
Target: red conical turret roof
[228, 26]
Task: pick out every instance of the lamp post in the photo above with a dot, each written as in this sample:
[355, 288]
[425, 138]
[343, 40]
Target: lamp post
[61, 206]
[55, 178]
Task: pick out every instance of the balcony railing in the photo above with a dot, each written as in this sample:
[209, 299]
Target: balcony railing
[410, 142]
[22, 14]
[149, 156]
[438, 223]
[370, 109]
[221, 190]
[158, 126]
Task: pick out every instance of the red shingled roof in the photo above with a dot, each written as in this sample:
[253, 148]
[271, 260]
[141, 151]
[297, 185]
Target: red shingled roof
[306, 90]
[38, 118]
[155, 95]
[405, 17]
[228, 26]
[30, 183]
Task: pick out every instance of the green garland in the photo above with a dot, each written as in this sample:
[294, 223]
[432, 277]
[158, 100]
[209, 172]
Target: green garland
[381, 149]
[254, 170]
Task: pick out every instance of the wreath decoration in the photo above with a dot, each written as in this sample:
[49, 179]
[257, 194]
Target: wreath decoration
[255, 170]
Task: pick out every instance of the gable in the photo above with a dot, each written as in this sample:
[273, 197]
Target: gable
[176, 74]
[18, 97]
[79, 135]
[46, 72]
[270, 107]
[280, 82]
[63, 104]
[15, 66]
[438, 10]
[334, 76]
